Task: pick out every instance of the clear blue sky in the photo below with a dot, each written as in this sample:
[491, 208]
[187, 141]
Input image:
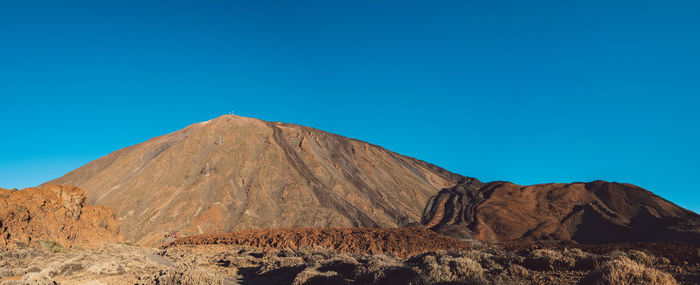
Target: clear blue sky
[524, 91]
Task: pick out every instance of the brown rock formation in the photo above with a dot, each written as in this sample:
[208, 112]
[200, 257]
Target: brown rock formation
[596, 212]
[57, 213]
[234, 173]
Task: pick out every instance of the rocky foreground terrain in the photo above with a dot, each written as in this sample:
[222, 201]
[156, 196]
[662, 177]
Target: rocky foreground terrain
[482, 263]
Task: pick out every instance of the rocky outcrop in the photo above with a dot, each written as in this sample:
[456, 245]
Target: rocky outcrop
[234, 173]
[453, 210]
[397, 241]
[596, 212]
[56, 214]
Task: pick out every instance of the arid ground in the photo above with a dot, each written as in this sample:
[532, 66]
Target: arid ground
[283, 258]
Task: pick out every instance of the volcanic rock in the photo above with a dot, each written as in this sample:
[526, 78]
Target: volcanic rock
[235, 173]
[453, 209]
[54, 213]
[397, 241]
[596, 212]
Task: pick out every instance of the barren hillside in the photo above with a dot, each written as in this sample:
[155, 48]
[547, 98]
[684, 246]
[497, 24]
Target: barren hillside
[596, 212]
[235, 173]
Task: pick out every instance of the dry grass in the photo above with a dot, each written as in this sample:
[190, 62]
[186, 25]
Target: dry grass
[382, 269]
[441, 268]
[547, 259]
[624, 271]
[188, 274]
[518, 272]
[312, 276]
[637, 256]
[121, 264]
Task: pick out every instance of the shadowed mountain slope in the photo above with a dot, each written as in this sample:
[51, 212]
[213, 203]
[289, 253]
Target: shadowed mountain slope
[596, 212]
[235, 173]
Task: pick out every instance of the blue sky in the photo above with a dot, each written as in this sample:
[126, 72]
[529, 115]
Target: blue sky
[524, 91]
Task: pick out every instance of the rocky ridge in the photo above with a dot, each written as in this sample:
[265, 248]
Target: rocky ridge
[595, 212]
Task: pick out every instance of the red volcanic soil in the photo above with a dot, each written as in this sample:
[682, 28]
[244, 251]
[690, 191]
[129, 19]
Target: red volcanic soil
[399, 241]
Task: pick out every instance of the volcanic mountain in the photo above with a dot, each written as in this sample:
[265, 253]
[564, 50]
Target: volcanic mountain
[235, 173]
[595, 212]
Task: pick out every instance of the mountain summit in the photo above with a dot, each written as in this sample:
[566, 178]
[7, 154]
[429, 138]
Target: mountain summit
[234, 173]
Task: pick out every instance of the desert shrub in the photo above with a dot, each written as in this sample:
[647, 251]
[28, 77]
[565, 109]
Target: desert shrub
[314, 255]
[20, 245]
[227, 259]
[465, 269]
[286, 252]
[276, 263]
[447, 269]
[583, 260]
[634, 255]
[51, 270]
[107, 268]
[314, 250]
[382, 269]
[31, 269]
[343, 263]
[508, 258]
[487, 260]
[518, 271]
[6, 272]
[642, 257]
[223, 259]
[391, 275]
[71, 267]
[52, 246]
[184, 274]
[38, 278]
[248, 250]
[311, 276]
[547, 259]
[623, 271]
[576, 253]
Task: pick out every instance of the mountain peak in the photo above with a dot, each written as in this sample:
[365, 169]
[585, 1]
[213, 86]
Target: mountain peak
[235, 172]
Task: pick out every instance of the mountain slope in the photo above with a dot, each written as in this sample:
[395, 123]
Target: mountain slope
[234, 173]
[595, 212]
